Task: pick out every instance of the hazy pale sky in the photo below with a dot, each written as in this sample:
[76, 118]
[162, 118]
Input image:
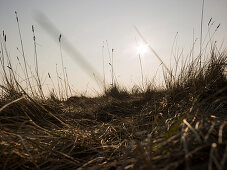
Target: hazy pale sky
[87, 23]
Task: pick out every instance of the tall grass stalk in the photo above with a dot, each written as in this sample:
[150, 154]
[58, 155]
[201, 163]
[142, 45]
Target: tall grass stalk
[54, 88]
[110, 62]
[11, 80]
[141, 67]
[63, 70]
[211, 37]
[174, 42]
[154, 52]
[193, 46]
[2, 59]
[103, 67]
[141, 70]
[23, 54]
[201, 32]
[68, 84]
[58, 82]
[112, 66]
[39, 84]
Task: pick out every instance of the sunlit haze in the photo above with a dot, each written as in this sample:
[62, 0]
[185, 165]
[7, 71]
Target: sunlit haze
[142, 49]
[99, 30]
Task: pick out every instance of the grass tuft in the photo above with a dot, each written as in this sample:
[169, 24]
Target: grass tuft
[181, 125]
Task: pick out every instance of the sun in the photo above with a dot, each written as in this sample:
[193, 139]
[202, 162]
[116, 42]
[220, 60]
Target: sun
[142, 49]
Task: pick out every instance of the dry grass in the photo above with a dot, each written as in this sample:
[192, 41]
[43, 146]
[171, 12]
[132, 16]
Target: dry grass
[180, 126]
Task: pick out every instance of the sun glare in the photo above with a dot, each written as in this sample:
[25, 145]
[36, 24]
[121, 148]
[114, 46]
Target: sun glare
[142, 49]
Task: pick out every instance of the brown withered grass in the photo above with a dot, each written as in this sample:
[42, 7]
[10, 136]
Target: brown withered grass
[181, 126]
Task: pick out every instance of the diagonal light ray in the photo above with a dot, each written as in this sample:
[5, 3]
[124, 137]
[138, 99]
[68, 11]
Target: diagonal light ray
[72, 51]
[159, 58]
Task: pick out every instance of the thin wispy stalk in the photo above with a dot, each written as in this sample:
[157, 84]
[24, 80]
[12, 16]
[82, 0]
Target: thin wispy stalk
[201, 32]
[68, 84]
[39, 84]
[76, 56]
[141, 67]
[11, 80]
[141, 70]
[103, 67]
[155, 53]
[23, 54]
[3, 64]
[62, 64]
[59, 89]
[112, 66]
[110, 62]
[54, 89]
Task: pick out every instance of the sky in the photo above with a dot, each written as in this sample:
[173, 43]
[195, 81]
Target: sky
[89, 25]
